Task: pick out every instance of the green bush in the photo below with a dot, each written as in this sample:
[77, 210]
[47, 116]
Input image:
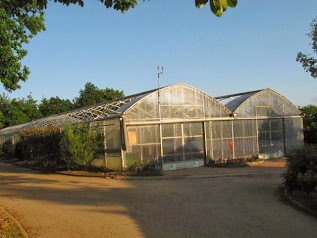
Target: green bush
[80, 145]
[75, 146]
[8, 149]
[301, 172]
[40, 145]
[308, 182]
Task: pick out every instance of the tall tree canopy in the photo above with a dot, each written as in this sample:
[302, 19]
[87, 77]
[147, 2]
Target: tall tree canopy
[308, 62]
[54, 105]
[17, 111]
[91, 94]
[20, 20]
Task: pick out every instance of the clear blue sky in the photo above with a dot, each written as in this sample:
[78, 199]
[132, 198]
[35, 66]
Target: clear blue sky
[253, 46]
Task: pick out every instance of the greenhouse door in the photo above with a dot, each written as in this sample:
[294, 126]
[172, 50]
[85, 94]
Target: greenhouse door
[183, 145]
[271, 139]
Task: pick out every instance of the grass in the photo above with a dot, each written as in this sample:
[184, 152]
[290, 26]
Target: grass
[9, 228]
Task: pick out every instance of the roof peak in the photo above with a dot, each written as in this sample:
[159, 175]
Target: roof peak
[239, 94]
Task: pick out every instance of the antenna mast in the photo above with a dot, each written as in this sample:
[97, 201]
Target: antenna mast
[160, 70]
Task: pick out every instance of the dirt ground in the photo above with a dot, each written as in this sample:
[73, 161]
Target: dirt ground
[202, 202]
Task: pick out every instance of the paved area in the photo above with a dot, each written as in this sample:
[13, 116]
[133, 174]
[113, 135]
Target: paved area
[240, 203]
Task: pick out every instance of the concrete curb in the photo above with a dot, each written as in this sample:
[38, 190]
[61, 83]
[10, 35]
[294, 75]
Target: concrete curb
[169, 177]
[16, 222]
[298, 205]
[221, 175]
[194, 176]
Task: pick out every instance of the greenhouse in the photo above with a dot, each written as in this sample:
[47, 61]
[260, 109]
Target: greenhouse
[179, 126]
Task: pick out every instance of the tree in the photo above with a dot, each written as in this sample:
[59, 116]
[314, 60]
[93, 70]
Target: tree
[23, 110]
[308, 62]
[54, 105]
[4, 109]
[91, 94]
[310, 124]
[18, 111]
[20, 20]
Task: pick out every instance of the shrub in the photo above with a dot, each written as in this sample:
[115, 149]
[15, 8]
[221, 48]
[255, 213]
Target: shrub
[40, 145]
[19, 149]
[80, 145]
[8, 149]
[308, 182]
[301, 172]
[74, 146]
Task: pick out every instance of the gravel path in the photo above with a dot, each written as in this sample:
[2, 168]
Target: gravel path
[49, 205]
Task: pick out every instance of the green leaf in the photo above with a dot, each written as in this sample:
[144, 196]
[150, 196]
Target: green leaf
[200, 3]
[232, 3]
[218, 7]
[108, 3]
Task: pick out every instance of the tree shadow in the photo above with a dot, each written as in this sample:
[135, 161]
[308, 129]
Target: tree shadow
[156, 208]
[151, 209]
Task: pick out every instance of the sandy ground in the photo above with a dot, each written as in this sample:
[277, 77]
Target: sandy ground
[203, 202]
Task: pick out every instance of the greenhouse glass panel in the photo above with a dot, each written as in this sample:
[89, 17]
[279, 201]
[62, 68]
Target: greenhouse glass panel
[219, 140]
[183, 143]
[293, 133]
[112, 140]
[209, 145]
[172, 130]
[112, 135]
[143, 147]
[239, 147]
[226, 129]
[271, 139]
[193, 141]
[245, 138]
[144, 109]
[217, 153]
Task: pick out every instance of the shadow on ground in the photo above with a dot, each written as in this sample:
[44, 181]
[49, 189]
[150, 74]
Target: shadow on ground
[213, 207]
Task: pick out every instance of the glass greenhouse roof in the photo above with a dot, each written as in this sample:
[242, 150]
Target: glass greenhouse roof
[265, 102]
[177, 101]
[173, 98]
[85, 114]
[233, 101]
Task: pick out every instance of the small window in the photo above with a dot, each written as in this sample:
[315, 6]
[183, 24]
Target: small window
[132, 137]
